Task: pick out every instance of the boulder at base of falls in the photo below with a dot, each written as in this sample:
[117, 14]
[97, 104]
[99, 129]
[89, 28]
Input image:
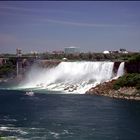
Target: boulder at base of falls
[106, 89]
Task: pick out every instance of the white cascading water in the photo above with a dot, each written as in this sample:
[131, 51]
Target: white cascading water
[120, 71]
[76, 77]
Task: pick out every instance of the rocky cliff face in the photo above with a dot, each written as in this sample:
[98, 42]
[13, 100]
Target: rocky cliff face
[48, 63]
[132, 67]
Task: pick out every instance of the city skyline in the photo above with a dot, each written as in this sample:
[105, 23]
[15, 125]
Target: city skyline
[53, 25]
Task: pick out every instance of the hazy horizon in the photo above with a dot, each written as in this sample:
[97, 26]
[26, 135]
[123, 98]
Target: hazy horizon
[53, 25]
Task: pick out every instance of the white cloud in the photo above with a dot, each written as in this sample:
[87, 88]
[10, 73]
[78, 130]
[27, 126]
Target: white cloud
[83, 24]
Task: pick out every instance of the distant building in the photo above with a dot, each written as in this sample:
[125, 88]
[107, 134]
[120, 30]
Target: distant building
[106, 52]
[18, 52]
[123, 51]
[115, 51]
[71, 50]
[64, 59]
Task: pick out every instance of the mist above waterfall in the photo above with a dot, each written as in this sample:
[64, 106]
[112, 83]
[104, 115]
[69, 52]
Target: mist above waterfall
[69, 76]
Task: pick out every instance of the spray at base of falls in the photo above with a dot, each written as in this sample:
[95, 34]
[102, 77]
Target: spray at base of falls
[71, 77]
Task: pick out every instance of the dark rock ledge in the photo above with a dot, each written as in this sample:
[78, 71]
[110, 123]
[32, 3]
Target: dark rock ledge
[106, 89]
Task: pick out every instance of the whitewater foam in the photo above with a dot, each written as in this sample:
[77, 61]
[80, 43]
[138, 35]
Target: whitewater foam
[70, 77]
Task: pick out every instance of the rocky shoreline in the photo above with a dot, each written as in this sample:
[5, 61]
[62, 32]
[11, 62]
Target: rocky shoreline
[106, 89]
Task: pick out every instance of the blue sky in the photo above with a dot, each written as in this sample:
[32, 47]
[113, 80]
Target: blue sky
[92, 26]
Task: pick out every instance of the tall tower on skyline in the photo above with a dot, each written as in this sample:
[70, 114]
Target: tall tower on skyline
[19, 62]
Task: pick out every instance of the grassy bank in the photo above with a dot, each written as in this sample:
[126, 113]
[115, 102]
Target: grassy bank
[128, 80]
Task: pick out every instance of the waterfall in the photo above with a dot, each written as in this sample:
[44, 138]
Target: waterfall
[120, 71]
[75, 77]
